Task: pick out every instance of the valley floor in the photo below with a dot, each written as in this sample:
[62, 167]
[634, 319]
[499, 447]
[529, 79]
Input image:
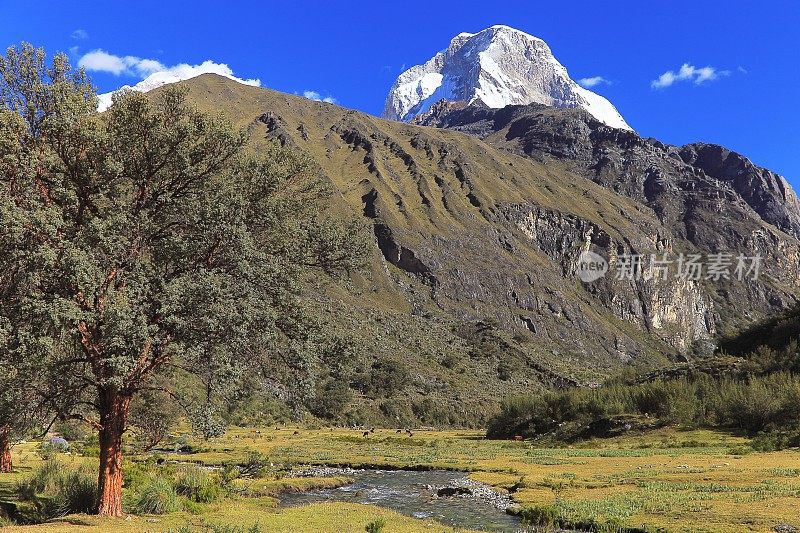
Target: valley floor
[667, 480]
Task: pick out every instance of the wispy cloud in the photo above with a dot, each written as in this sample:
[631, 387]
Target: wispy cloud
[152, 73]
[314, 95]
[594, 81]
[689, 73]
[80, 35]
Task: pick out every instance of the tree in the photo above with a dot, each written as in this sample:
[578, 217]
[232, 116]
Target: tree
[154, 414]
[166, 247]
[20, 403]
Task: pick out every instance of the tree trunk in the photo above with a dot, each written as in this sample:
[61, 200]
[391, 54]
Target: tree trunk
[5, 450]
[113, 418]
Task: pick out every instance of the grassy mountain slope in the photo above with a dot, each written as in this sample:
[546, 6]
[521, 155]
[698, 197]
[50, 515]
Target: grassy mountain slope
[471, 286]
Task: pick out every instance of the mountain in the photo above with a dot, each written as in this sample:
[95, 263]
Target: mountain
[496, 67]
[478, 225]
[166, 76]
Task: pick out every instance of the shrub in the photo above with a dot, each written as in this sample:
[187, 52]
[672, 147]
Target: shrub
[43, 480]
[135, 475]
[255, 464]
[540, 515]
[227, 475]
[76, 493]
[755, 404]
[196, 484]
[48, 450]
[57, 490]
[780, 440]
[331, 399]
[157, 497]
[192, 507]
[388, 377]
[153, 414]
[376, 525]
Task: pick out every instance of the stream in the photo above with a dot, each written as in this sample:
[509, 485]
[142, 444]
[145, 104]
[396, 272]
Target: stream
[414, 493]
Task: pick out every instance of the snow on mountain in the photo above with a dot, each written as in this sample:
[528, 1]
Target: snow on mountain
[173, 75]
[498, 66]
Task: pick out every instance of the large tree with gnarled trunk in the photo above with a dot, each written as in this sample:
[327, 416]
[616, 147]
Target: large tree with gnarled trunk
[160, 246]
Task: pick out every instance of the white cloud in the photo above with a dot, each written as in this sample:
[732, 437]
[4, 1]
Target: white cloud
[688, 72]
[594, 81]
[101, 61]
[314, 95]
[79, 34]
[153, 73]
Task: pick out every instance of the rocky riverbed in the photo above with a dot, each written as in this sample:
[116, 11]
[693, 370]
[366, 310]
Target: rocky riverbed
[445, 496]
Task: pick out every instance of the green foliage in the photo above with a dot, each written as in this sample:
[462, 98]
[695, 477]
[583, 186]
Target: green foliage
[221, 528]
[148, 243]
[331, 399]
[77, 492]
[57, 490]
[193, 507]
[255, 465]
[157, 497]
[196, 483]
[135, 475]
[387, 377]
[227, 475]
[153, 414]
[376, 526]
[753, 404]
[540, 515]
[776, 440]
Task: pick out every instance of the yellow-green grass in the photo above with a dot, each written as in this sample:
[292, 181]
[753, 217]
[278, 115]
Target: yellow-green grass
[676, 480]
[664, 480]
[244, 513]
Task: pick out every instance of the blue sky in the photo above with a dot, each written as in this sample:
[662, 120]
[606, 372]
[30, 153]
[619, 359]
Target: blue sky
[353, 51]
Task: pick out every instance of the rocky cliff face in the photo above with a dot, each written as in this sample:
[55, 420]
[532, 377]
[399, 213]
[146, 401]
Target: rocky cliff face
[496, 67]
[707, 198]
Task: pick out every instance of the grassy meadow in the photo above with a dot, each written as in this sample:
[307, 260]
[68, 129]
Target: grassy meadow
[665, 480]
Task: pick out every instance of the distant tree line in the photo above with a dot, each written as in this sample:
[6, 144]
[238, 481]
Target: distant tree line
[757, 393]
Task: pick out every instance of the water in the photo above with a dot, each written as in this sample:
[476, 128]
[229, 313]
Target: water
[405, 491]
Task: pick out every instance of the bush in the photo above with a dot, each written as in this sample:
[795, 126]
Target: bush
[540, 515]
[331, 399]
[376, 525]
[43, 480]
[154, 414]
[196, 484]
[192, 507]
[388, 377]
[255, 464]
[48, 450]
[157, 497]
[780, 440]
[754, 404]
[77, 492]
[58, 490]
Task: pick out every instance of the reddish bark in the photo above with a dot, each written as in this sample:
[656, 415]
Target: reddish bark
[114, 409]
[5, 450]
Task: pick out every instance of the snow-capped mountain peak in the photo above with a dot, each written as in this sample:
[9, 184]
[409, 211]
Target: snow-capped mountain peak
[498, 66]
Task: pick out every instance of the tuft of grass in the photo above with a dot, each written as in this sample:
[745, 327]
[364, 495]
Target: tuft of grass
[376, 526]
[157, 497]
[56, 489]
[196, 483]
